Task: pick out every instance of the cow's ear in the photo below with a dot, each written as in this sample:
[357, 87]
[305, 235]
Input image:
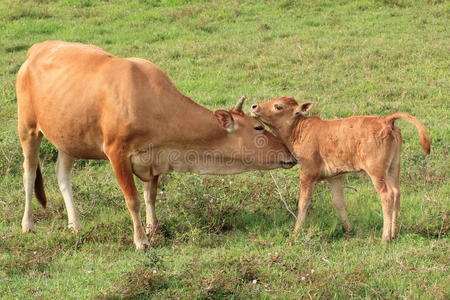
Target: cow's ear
[303, 108]
[225, 120]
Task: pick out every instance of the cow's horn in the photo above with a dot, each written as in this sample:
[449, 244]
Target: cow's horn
[238, 106]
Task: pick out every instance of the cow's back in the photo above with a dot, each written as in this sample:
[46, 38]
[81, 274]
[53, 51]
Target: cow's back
[59, 89]
[82, 99]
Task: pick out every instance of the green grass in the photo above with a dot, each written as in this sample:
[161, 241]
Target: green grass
[349, 57]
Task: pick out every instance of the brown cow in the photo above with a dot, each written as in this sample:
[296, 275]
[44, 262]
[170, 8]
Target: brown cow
[328, 149]
[90, 104]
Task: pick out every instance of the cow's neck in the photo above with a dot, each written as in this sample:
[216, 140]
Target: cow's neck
[198, 127]
[195, 143]
[206, 125]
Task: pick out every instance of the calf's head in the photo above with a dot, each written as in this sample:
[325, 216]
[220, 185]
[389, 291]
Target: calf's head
[280, 114]
[250, 145]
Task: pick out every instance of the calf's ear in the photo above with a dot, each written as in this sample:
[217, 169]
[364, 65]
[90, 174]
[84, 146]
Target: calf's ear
[303, 108]
[225, 120]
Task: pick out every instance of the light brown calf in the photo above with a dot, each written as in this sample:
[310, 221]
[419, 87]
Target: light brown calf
[91, 104]
[328, 149]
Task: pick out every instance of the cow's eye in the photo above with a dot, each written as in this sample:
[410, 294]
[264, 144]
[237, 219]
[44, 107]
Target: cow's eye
[259, 127]
[278, 107]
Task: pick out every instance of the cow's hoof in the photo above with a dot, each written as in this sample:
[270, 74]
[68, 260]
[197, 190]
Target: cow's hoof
[75, 227]
[27, 227]
[142, 246]
[150, 230]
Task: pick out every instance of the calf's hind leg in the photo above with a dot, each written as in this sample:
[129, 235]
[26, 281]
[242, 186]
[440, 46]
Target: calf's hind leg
[384, 189]
[339, 201]
[393, 178]
[63, 170]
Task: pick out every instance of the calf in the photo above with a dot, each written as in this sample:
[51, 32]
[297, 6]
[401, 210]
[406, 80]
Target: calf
[328, 149]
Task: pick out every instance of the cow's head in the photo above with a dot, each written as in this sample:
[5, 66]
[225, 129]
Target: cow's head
[281, 113]
[252, 146]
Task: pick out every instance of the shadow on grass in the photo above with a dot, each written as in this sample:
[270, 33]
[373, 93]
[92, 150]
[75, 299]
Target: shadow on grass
[34, 253]
[232, 276]
[25, 255]
[137, 284]
[16, 48]
[215, 231]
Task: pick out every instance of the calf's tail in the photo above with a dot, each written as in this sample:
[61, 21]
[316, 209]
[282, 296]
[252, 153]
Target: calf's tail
[424, 139]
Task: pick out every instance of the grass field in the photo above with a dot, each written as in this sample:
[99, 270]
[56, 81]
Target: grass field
[349, 57]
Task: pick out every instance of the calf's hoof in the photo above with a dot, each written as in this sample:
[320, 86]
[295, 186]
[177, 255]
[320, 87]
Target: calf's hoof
[385, 240]
[394, 235]
[347, 228]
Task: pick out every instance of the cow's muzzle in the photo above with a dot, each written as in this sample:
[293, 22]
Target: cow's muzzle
[288, 164]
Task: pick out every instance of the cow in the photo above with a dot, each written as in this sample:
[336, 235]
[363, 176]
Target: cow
[328, 149]
[91, 104]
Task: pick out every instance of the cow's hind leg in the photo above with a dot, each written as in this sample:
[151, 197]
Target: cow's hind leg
[150, 189]
[339, 201]
[63, 170]
[30, 141]
[123, 171]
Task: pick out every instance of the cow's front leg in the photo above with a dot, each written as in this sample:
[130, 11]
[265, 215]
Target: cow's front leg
[150, 189]
[122, 169]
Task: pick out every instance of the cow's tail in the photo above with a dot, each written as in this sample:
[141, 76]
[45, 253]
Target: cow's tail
[39, 187]
[424, 139]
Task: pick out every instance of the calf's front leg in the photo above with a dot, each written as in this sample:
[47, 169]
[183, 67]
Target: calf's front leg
[339, 201]
[306, 189]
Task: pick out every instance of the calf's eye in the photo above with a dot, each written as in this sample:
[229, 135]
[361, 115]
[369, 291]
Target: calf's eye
[259, 127]
[278, 107]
